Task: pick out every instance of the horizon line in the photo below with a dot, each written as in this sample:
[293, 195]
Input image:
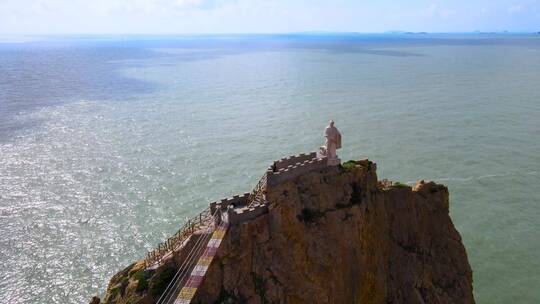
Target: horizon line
[270, 33]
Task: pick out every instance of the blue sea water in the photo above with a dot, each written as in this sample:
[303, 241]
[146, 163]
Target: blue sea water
[108, 143]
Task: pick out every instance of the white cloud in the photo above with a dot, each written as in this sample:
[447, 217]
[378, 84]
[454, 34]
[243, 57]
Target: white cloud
[203, 16]
[102, 16]
[483, 11]
[516, 8]
[434, 10]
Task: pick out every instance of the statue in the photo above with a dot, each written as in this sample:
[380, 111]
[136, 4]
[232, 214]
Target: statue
[332, 143]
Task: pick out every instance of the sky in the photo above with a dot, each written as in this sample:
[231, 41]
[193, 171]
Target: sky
[264, 16]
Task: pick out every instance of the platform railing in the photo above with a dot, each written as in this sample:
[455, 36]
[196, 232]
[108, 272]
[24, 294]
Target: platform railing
[203, 219]
[257, 196]
[198, 222]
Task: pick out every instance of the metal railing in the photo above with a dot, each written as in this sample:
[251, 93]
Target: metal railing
[171, 293]
[196, 223]
[257, 194]
[202, 220]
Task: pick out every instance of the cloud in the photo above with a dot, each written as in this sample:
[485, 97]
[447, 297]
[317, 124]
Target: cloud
[200, 4]
[434, 10]
[78, 7]
[218, 16]
[516, 8]
[483, 11]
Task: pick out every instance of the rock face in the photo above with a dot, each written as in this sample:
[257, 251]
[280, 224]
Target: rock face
[336, 236]
[95, 300]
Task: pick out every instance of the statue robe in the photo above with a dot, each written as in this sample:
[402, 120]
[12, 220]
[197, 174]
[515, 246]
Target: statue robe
[333, 141]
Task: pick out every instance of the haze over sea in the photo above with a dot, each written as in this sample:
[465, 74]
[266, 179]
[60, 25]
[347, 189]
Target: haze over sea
[108, 143]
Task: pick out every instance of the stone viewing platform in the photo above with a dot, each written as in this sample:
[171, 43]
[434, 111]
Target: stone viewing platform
[290, 167]
[236, 209]
[240, 208]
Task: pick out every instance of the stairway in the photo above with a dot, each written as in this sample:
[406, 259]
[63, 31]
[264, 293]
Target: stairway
[198, 271]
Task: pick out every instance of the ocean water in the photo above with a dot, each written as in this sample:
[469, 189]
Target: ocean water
[107, 144]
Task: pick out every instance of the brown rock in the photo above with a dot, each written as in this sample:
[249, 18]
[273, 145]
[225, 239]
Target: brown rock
[95, 300]
[335, 236]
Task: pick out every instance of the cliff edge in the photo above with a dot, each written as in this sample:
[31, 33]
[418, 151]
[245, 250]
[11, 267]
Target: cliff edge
[334, 235]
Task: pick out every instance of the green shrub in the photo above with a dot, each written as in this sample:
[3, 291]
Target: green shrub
[400, 185]
[115, 291]
[348, 165]
[142, 282]
[161, 280]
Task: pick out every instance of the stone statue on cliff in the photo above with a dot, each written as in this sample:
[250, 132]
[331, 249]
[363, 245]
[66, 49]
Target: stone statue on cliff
[332, 143]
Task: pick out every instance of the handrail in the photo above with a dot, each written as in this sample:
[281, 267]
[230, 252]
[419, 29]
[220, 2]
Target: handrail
[191, 281]
[193, 224]
[257, 195]
[196, 223]
[188, 263]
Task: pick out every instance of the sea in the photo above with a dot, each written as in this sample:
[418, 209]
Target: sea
[109, 143]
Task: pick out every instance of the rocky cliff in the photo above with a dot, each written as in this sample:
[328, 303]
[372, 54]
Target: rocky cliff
[336, 235]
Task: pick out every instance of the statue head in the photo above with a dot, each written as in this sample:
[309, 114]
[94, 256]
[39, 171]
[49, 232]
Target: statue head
[331, 123]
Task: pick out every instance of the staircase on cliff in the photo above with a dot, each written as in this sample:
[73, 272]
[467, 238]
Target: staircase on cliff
[212, 223]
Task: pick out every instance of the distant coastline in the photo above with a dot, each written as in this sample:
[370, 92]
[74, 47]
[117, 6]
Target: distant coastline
[37, 37]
